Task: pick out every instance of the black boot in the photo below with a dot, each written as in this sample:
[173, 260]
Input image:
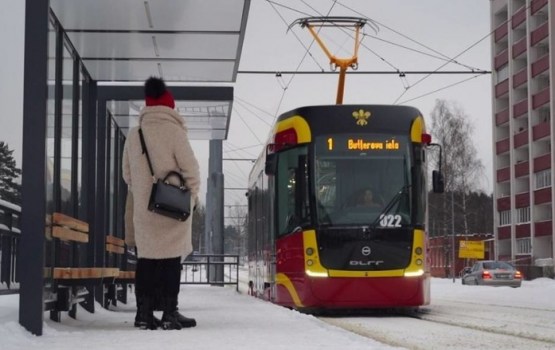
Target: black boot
[172, 319]
[140, 314]
[145, 313]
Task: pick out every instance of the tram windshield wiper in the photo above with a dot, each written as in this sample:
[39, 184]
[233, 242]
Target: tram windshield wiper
[392, 202]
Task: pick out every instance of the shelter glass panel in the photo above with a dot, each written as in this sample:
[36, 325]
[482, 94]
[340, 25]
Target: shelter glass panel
[49, 180]
[67, 128]
[113, 163]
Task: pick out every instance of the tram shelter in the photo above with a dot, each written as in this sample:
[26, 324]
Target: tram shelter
[85, 63]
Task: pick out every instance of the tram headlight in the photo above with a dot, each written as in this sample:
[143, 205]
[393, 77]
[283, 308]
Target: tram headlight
[418, 262]
[309, 251]
[309, 262]
[418, 250]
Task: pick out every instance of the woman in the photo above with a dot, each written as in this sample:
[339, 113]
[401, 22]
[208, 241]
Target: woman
[161, 241]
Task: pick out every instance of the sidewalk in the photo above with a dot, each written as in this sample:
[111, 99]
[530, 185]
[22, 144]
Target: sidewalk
[226, 320]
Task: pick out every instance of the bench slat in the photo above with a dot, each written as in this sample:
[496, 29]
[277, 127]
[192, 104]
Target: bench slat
[69, 235]
[65, 273]
[115, 241]
[126, 275]
[72, 223]
[114, 249]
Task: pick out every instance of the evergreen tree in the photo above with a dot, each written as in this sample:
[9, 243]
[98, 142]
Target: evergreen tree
[9, 190]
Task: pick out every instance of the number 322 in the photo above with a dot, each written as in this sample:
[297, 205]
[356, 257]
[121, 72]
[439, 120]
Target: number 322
[390, 220]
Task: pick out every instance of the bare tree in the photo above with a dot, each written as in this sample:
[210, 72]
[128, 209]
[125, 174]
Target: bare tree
[463, 171]
[238, 219]
[452, 129]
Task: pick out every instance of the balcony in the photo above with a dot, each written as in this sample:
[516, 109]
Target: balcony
[520, 78]
[539, 34]
[522, 169]
[519, 47]
[503, 174]
[520, 139]
[537, 5]
[544, 228]
[501, 31]
[541, 98]
[522, 200]
[542, 162]
[504, 232]
[519, 17]
[503, 203]
[522, 230]
[543, 195]
[502, 117]
[540, 131]
[501, 59]
[502, 146]
[502, 88]
[541, 65]
[520, 108]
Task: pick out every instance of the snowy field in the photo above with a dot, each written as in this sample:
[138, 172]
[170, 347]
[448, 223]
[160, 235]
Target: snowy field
[460, 317]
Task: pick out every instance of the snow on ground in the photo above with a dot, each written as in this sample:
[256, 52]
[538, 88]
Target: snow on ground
[469, 317]
[227, 319]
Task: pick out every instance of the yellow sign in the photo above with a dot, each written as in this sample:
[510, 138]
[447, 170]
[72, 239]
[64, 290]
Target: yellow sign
[471, 249]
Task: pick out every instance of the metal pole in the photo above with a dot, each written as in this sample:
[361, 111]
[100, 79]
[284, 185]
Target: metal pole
[453, 237]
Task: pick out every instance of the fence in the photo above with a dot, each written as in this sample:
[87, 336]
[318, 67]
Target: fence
[212, 269]
[9, 239]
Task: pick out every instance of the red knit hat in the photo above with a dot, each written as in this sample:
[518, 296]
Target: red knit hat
[156, 93]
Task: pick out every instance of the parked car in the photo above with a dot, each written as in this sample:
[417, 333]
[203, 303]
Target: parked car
[492, 273]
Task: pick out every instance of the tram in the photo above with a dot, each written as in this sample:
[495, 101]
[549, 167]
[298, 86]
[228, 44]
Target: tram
[337, 202]
[312, 243]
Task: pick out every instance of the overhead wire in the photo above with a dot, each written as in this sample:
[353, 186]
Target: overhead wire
[448, 59]
[252, 105]
[246, 124]
[442, 88]
[405, 36]
[307, 52]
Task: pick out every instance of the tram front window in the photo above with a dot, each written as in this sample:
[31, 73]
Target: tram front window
[362, 188]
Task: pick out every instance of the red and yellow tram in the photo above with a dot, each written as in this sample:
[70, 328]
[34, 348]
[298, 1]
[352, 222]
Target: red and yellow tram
[313, 242]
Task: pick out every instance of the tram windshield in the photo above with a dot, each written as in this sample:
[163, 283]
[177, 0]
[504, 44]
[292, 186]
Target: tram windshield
[362, 180]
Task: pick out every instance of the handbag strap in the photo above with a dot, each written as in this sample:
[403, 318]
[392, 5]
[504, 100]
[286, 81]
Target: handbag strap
[145, 151]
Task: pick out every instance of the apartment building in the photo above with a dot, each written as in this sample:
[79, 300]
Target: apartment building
[522, 63]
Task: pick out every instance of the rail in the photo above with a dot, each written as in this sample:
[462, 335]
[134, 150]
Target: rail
[9, 240]
[211, 269]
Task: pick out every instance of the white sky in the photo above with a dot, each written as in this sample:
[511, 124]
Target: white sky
[448, 27]
[463, 317]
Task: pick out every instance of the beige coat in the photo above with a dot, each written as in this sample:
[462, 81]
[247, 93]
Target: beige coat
[156, 236]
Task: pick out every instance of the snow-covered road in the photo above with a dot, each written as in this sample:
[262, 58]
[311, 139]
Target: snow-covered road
[468, 317]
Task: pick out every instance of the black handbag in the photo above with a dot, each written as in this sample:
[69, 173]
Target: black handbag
[167, 199]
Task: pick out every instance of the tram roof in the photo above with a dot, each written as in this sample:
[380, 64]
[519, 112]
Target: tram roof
[194, 43]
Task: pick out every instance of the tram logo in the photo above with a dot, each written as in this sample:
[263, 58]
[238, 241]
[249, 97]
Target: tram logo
[361, 117]
[366, 250]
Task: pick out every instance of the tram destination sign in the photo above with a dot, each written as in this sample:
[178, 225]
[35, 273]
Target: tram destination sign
[360, 143]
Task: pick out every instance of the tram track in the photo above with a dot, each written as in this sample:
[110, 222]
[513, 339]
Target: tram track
[456, 325]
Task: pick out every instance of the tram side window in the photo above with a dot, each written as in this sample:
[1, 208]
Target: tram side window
[292, 190]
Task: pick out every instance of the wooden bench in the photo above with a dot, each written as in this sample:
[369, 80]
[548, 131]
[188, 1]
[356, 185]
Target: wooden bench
[117, 256]
[71, 281]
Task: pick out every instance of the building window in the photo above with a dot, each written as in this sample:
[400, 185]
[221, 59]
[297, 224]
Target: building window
[502, 73]
[504, 218]
[523, 215]
[543, 179]
[523, 246]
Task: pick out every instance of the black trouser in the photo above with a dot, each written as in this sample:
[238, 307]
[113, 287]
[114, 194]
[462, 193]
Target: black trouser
[161, 274]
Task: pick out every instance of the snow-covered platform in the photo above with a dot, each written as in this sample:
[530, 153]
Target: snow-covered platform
[226, 320]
